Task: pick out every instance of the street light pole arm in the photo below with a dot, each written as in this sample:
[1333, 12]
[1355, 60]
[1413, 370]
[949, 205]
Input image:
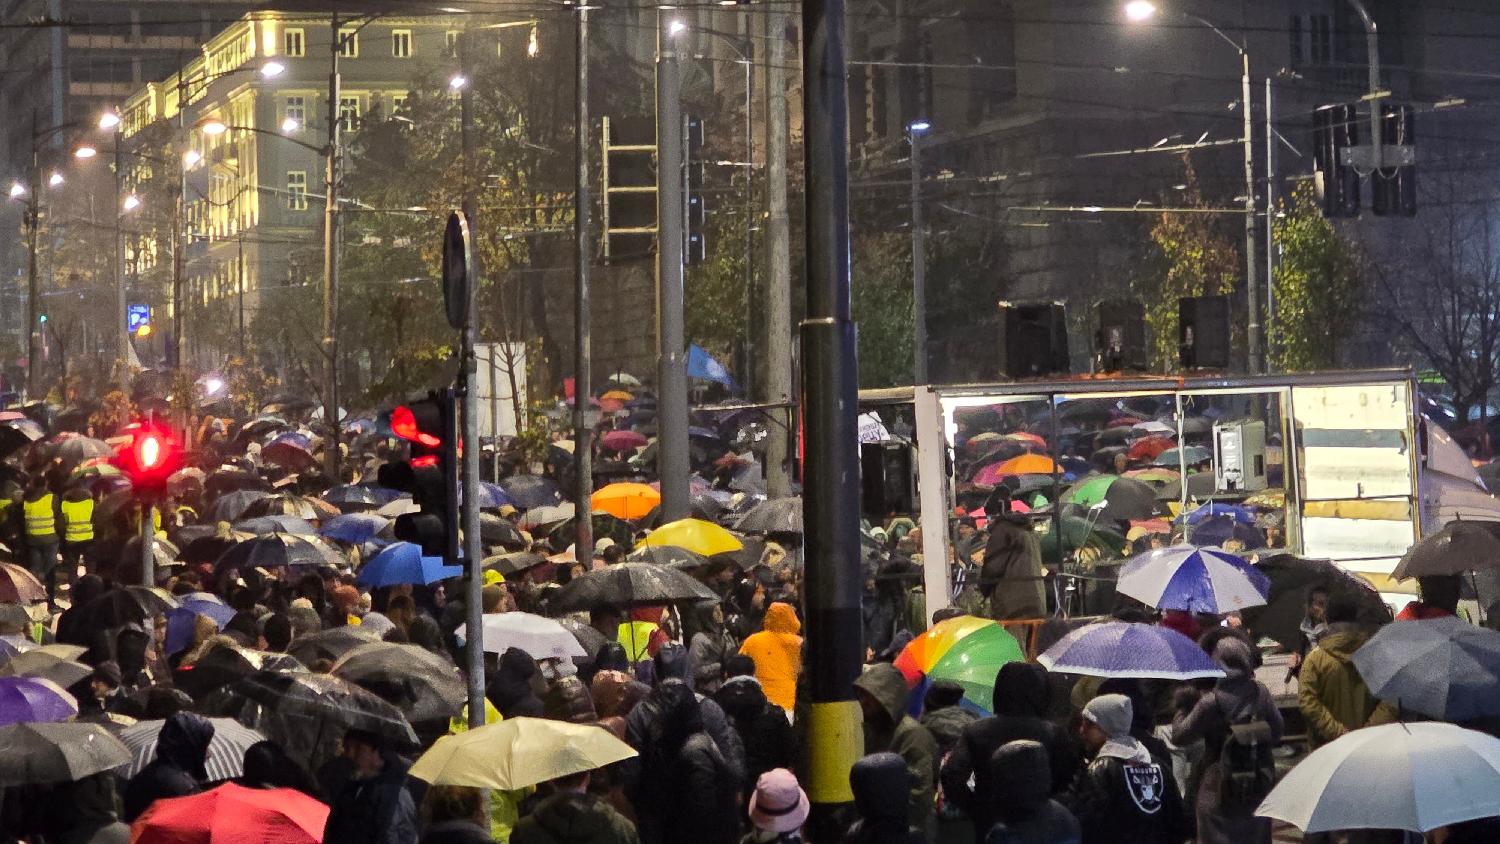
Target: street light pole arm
[323, 150]
[1239, 46]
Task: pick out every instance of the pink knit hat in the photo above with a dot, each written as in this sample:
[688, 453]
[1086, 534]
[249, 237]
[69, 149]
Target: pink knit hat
[778, 804]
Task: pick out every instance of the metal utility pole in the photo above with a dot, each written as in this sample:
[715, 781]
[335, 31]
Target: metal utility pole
[778, 272]
[148, 543]
[834, 582]
[122, 304]
[241, 292]
[33, 287]
[180, 236]
[1372, 61]
[918, 258]
[583, 382]
[468, 390]
[671, 348]
[1256, 362]
[752, 297]
[331, 457]
[1270, 228]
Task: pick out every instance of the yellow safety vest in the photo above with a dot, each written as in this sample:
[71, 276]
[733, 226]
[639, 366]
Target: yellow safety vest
[634, 636]
[78, 520]
[40, 520]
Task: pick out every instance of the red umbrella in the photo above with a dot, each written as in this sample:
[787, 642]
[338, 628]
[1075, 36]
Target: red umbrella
[1149, 448]
[19, 586]
[623, 440]
[233, 814]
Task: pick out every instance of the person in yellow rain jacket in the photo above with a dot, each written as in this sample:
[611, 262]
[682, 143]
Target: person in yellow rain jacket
[77, 511]
[39, 509]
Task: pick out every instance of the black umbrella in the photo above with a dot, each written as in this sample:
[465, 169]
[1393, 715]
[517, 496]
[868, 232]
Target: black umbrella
[605, 525]
[590, 638]
[513, 563]
[328, 644]
[494, 530]
[1116, 435]
[667, 555]
[210, 548]
[61, 752]
[301, 506]
[126, 605]
[779, 515]
[303, 710]
[75, 450]
[16, 434]
[263, 424]
[225, 665]
[222, 482]
[354, 498]
[231, 506]
[422, 684]
[1125, 499]
[279, 549]
[528, 491]
[1292, 580]
[628, 585]
[1458, 548]
[261, 525]
[46, 665]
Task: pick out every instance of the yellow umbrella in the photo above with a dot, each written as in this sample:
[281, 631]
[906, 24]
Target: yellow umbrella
[706, 538]
[628, 501]
[519, 752]
[616, 395]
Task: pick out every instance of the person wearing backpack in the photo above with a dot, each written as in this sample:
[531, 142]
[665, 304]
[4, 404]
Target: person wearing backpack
[1240, 725]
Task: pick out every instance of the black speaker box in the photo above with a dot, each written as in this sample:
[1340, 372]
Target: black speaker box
[1120, 343]
[1203, 339]
[1034, 339]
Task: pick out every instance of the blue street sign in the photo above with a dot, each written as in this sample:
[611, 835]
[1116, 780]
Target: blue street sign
[137, 316]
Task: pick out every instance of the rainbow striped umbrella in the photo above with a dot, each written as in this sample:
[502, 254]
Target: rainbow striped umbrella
[966, 650]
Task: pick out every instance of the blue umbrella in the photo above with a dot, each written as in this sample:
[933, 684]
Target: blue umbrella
[1220, 529]
[25, 699]
[180, 621]
[530, 491]
[1200, 580]
[353, 528]
[1124, 649]
[1243, 515]
[402, 562]
[491, 496]
[1444, 667]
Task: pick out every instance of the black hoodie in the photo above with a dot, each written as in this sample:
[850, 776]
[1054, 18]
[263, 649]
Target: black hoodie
[1027, 813]
[685, 791]
[177, 770]
[510, 689]
[1022, 695]
[880, 783]
[764, 731]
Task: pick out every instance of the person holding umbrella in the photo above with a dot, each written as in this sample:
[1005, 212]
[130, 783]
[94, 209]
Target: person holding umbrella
[373, 806]
[177, 770]
[1331, 693]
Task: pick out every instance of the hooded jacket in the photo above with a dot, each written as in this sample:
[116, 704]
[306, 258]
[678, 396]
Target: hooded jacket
[616, 693]
[1027, 814]
[90, 818]
[568, 699]
[895, 731]
[685, 790]
[671, 663]
[378, 810]
[1022, 694]
[777, 651]
[177, 770]
[1332, 695]
[764, 732]
[880, 783]
[572, 818]
[1012, 571]
[510, 689]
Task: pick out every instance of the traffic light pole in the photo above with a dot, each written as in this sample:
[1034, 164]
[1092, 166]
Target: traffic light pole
[468, 386]
[829, 401]
[672, 405]
[148, 543]
[778, 273]
[331, 456]
[583, 387]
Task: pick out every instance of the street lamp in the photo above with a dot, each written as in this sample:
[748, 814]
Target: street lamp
[131, 203]
[914, 134]
[55, 180]
[191, 158]
[109, 120]
[676, 27]
[271, 70]
[290, 125]
[85, 152]
[1141, 11]
[17, 190]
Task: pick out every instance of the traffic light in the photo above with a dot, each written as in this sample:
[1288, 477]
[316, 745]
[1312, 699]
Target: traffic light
[151, 456]
[1335, 128]
[430, 473]
[1393, 190]
[695, 245]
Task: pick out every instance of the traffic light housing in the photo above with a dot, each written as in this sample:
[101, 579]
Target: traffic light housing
[629, 176]
[695, 245]
[1335, 128]
[430, 473]
[1393, 190]
[149, 458]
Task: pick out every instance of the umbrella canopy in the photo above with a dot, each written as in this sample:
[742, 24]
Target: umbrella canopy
[778, 515]
[1026, 464]
[627, 585]
[126, 605]
[667, 555]
[76, 449]
[605, 526]
[1197, 580]
[262, 525]
[705, 538]
[622, 441]
[1147, 449]
[1117, 499]
[1064, 535]
[47, 666]
[1444, 668]
[351, 498]
[303, 709]
[26, 699]
[226, 750]
[399, 507]
[1216, 509]
[1292, 579]
[19, 586]
[422, 684]
[226, 664]
[63, 752]
[1188, 455]
[626, 500]
[233, 813]
[206, 549]
[353, 528]
[1221, 530]
[403, 562]
[231, 506]
[519, 752]
[514, 562]
[965, 650]
[529, 491]
[328, 644]
[537, 635]
[17, 433]
[181, 621]
[301, 506]
[1124, 649]
[291, 450]
[1459, 547]
[548, 514]
[279, 549]
[1395, 776]
[494, 530]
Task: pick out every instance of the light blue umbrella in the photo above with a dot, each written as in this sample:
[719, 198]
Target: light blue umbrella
[402, 562]
[181, 619]
[1124, 649]
[353, 528]
[1192, 579]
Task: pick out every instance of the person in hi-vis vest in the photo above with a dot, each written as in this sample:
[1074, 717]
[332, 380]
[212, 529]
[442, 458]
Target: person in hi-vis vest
[77, 511]
[39, 509]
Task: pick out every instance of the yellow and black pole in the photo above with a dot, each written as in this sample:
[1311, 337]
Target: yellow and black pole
[835, 649]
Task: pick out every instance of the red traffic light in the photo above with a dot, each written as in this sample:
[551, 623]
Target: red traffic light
[150, 457]
[406, 424]
[148, 452]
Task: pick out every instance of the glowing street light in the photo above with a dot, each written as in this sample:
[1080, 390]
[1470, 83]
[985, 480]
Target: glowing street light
[55, 179]
[271, 70]
[458, 81]
[213, 127]
[290, 125]
[131, 202]
[109, 120]
[676, 27]
[17, 190]
[85, 152]
[191, 157]
[1140, 10]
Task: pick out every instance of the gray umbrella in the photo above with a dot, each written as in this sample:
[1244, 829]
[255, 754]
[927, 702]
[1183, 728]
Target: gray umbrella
[304, 709]
[61, 752]
[1444, 667]
[667, 555]
[47, 666]
[328, 644]
[779, 515]
[628, 585]
[512, 563]
[422, 684]
[1458, 548]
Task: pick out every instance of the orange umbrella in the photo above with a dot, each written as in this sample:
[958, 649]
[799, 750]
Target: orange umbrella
[616, 395]
[1027, 464]
[627, 501]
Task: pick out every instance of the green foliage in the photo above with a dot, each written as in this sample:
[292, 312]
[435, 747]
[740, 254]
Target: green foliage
[1197, 255]
[882, 300]
[1319, 286]
[715, 312]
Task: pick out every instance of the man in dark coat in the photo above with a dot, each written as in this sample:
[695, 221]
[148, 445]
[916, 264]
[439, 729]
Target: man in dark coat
[511, 689]
[1012, 571]
[1124, 796]
[177, 770]
[671, 663]
[882, 694]
[1021, 699]
[571, 815]
[685, 790]
[1026, 812]
[763, 728]
[90, 812]
[880, 783]
[372, 806]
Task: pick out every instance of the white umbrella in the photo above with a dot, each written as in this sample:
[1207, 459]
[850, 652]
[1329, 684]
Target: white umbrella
[539, 636]
[1415, 777]
[399, 507]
